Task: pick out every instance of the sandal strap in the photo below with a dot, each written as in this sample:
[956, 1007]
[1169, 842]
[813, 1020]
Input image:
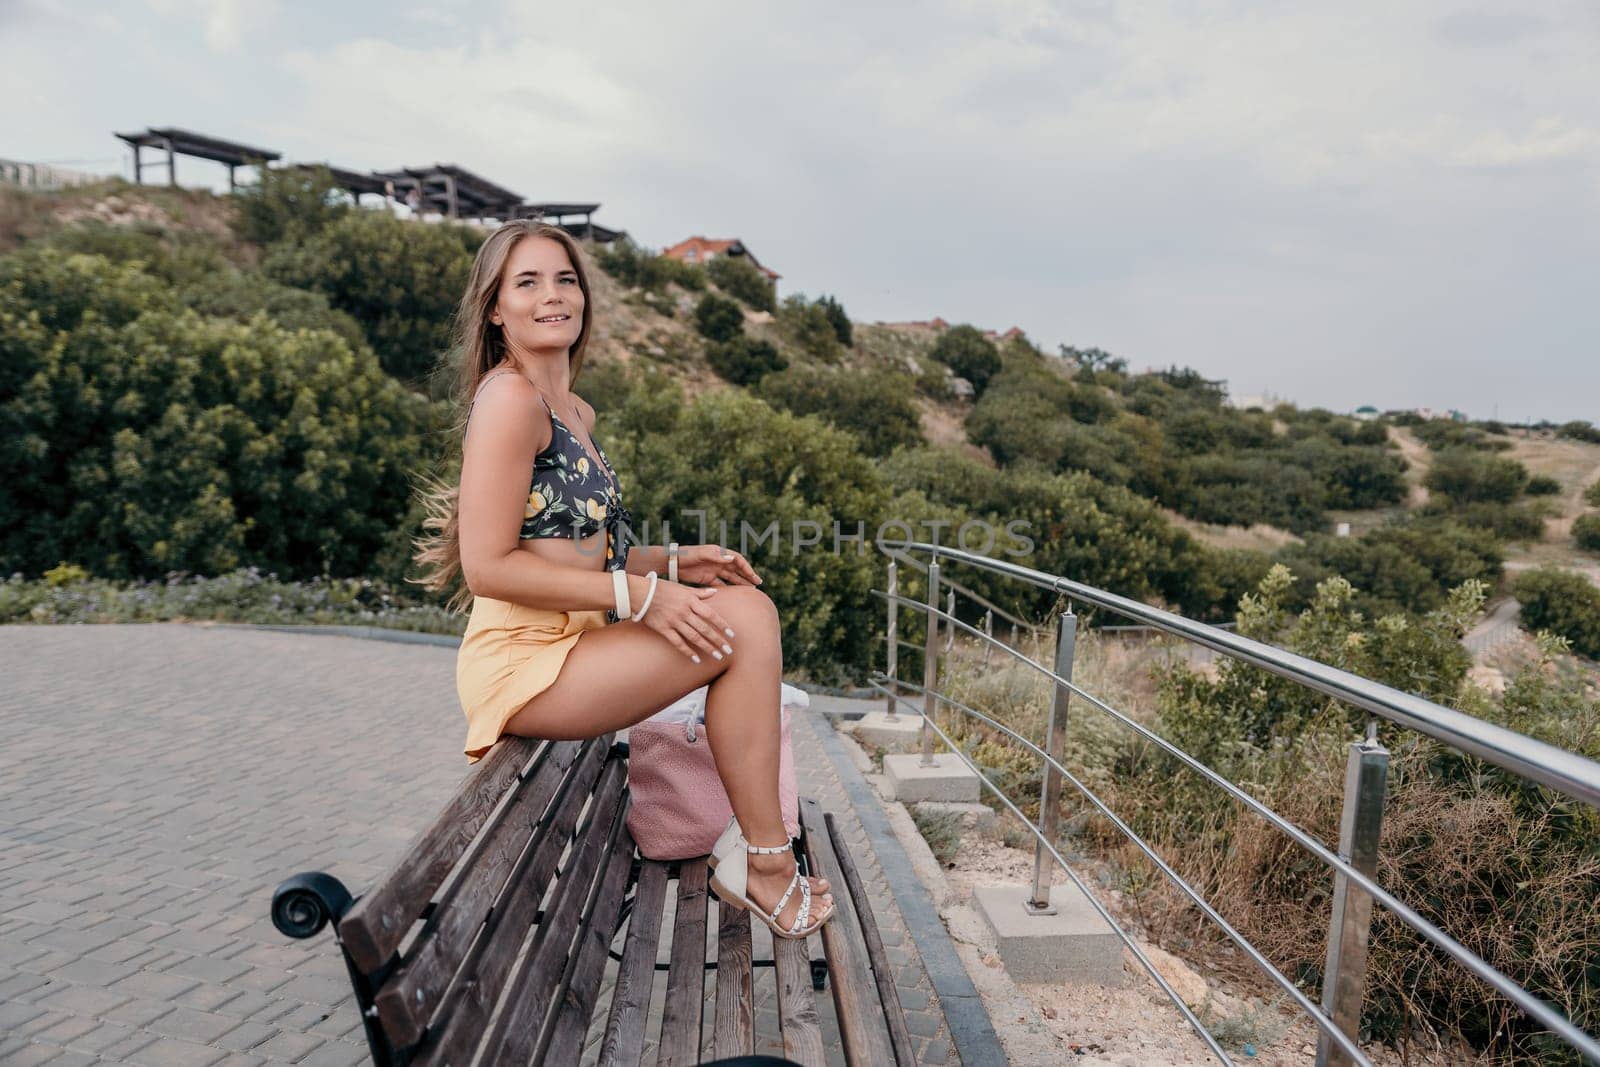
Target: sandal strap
[803, 917]
[763, 850]
[797, 880]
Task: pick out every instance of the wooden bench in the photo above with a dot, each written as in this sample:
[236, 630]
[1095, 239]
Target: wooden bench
[488, 941]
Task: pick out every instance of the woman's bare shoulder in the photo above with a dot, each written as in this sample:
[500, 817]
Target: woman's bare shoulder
[509, 407]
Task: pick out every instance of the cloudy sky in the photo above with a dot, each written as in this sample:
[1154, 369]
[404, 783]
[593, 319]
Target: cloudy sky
[1335, 203]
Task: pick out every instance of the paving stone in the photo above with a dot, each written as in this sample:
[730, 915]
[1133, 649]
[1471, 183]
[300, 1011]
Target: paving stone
[139, 1012]
[30, 1055]
[288, 1046]
[170, 1052]
[83, 1000]
[154, 984]
[245, 1036]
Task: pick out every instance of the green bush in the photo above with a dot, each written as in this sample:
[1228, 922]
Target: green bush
[842, 328]
[1467, 476]
[1563, 602]
[810, 327]
[744, 360]
[1508, 867]
[875, 406]
[1542, 485]
[204, 445]
[740, 461]
[1444, 434]
[175, 256]
[736, 276]
[1591, 495]
[1401, 567]
[1509, 522]
[969, 355]
[1580, 430]
[401, 280]
[631, 265]
[285, 204]
[1586, 531]
[718, 318]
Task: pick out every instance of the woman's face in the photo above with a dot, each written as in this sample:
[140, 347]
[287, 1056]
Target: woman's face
[540, 303]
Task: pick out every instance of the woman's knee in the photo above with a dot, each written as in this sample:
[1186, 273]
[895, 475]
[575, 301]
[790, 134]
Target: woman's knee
[752, 615]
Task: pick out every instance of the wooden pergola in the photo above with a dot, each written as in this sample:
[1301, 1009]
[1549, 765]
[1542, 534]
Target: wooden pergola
[453, 191]
[356, 183]
[176, 142]
[558, 212]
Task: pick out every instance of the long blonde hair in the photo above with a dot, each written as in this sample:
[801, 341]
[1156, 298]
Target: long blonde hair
[480, 346]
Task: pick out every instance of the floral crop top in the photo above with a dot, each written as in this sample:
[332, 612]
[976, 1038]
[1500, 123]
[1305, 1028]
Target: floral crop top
[573, 497]
[570, 496]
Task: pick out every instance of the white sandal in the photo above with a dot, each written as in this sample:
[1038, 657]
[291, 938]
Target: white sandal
[731, 836]
[730, 880]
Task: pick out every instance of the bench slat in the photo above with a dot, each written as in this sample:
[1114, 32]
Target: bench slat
[412, 993]
[462, 1016]
[686, 974]
[585, 971]
[797, 1008]
[855, 997]
[623, 1045]
[735, 1018]
[888, 995]
[519, 1028]
[373, 929]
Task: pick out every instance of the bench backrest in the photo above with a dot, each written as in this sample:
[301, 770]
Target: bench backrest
[459, 920]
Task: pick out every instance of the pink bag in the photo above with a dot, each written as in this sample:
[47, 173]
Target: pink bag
[679, 805]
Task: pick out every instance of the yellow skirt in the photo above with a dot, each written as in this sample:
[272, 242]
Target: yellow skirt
[509, 655]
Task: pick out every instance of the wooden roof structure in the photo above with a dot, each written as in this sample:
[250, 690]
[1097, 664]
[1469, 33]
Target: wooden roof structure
[354, 182]
[454, 192]
[177, 142]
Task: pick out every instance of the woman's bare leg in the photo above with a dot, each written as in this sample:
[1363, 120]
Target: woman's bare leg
[621, 674]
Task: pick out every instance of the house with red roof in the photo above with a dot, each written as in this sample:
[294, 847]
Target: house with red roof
[703, 249]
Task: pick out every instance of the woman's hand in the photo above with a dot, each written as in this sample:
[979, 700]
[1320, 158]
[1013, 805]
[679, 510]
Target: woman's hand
[687, 618]
[714, 565]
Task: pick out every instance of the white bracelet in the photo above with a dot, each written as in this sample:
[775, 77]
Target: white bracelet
[619, 583]
[672, 562]
[649, 596]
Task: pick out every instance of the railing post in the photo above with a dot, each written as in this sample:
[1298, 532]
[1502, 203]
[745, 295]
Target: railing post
[930, 663]
[1055, 744]
[950, 610]
[892, 666]
[988, 631]
[1366, 777]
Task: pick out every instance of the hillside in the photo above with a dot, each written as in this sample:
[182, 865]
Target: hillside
[953, 422]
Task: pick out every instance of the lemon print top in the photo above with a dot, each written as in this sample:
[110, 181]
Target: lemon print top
[571, 496]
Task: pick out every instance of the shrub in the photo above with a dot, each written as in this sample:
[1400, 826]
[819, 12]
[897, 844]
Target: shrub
[1443, 434]
[736, 459]
[1591, 495]
[1563, 602]
[287, 204]
[875, 406]
[718, 318]
[1509, 522]
[202, 446]
[400, 280]
[1542, 485]
[738, 277]
[744, 360]
[631, 265]
[1467, 476]
[1401, 567]
[1580, 430]
[1586, 531]
[969, 355]
[807, 324]
[841, 321]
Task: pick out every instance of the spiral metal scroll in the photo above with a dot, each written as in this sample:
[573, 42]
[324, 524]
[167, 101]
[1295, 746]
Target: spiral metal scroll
[303, 904]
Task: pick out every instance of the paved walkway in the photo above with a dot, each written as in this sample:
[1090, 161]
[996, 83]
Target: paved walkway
[156, 782]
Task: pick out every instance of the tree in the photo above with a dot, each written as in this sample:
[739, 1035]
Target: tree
[1563, 602]
[841, 322]
[718, 318]
[400, 280]
[875, 406]
[287, 204]
[969, 354]
[739, 278]
[744, 360]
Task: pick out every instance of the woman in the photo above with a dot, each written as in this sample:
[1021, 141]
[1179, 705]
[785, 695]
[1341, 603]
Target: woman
[544, 558]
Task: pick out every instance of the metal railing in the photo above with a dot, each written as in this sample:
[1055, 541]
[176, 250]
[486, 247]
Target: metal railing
[1354, 866]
